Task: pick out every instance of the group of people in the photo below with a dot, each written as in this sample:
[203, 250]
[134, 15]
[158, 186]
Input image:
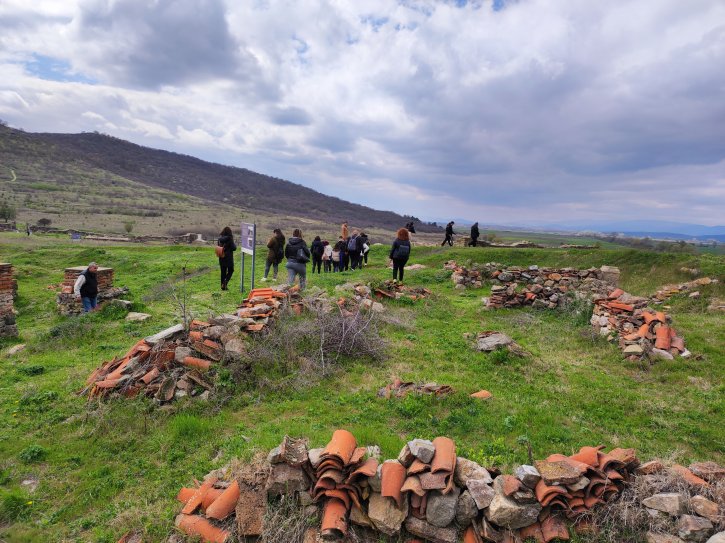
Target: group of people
[349, 252]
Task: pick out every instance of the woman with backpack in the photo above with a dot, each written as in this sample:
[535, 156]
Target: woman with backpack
[341, 248]
[317, 249]
[399, 253]
[298, 255]
[336, 257]
[275, 253]
[225, 248]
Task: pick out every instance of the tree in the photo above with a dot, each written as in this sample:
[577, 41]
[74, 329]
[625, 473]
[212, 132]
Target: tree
[44, 222]
[128, 226]
[7, 211]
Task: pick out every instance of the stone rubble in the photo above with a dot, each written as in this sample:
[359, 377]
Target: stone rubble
[665, 293]
[8, 293]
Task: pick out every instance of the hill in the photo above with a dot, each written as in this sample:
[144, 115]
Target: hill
[98, 167]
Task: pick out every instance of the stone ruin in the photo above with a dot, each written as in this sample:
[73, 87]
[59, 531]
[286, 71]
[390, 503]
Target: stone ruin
[67, 302]
[430, 493]
[8, 293]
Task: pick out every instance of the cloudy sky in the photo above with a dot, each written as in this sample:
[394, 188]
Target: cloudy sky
[502, 111]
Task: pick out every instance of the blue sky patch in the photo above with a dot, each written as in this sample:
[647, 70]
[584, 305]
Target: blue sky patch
[54, 69]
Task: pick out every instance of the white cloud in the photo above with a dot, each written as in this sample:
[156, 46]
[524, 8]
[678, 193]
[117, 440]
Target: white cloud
[542, 108]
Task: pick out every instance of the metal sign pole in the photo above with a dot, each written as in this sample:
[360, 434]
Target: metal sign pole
[254, 251]
[241, 280]
[248, 242]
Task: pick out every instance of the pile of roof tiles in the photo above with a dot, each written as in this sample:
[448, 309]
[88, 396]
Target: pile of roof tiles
[262, 305]
[639, 330]
[666, 292]
[464, 277]
[66, 301]
[545, 287]
[8, 291]
[393, 290]
[400, 389]
[427, 492]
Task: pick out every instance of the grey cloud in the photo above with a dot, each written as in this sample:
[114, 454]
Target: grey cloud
[290, 116]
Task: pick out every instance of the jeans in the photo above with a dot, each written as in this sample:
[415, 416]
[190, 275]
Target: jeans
[354, 260]
[399, 268]
[294, 269]
[89, 303]
[267, 265]
[327, 265]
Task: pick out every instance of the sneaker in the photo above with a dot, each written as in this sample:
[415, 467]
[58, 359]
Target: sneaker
[264, 279]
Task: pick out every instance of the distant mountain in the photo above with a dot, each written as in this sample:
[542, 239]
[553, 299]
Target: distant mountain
[647, 228]
[42, 155]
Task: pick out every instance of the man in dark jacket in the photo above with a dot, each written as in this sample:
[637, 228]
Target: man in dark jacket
[86, 287]
[226, 262]
[449, 234]
[298, 255]
[275, 254]
[354, 247]
[474, 235]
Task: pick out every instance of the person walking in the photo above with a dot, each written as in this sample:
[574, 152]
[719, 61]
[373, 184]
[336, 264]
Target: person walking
[298, 255]
[317, 249]
[399, 253]
[327, 256]
[365, 243]
[449, 234]
[225, 251]
[275, 254]
[86, 287]
[474, 235]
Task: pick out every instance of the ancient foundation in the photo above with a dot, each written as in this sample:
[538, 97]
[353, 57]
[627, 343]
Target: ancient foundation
[8, 292]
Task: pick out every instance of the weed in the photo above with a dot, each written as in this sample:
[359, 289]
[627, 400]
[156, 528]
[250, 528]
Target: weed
[189, 428]
[14, 506]
[32, 454]
[32, 369]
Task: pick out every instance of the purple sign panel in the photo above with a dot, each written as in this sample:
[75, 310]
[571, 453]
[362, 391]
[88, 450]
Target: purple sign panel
[248, 238]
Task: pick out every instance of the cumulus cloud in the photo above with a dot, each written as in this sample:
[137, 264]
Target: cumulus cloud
[496, 111]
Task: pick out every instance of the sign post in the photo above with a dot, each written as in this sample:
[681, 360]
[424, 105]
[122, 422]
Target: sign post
[248, 244]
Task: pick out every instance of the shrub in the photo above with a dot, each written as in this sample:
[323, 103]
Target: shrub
[14, 505]
[32, 454]
[33, 369]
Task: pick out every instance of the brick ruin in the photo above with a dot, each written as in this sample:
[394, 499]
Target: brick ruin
[8, 293]
[67, 302]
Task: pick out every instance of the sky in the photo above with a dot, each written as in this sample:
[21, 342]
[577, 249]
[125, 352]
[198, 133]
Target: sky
[512, 112]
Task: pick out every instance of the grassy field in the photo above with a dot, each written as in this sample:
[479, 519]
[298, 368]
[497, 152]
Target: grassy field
[103, 469]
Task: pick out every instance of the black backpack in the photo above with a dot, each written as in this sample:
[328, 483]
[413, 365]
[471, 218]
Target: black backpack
[403, 251]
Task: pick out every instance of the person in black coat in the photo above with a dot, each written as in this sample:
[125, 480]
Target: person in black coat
[399, 253]
[317, 248]
[354, 248]
[298, 255]
[226, 261]
[474, 235]
[449, 234]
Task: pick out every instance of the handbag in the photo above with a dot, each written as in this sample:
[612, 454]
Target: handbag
[219, 250]
[302, 256]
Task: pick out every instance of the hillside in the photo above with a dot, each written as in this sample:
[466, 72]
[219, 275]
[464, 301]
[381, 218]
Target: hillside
[33, 163]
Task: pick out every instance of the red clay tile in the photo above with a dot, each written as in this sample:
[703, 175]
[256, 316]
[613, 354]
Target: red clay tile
[510, 484]
[152, 374]
[368, 469]
[357, 455]
[649, 317]
[392, 479]
[333, 518]
[620, 306]
[627, 456]
[471, 535]
[643, 331]
[661, 317]
[196, 336]
[198, 363]
[413, 484]
[545, 493]
[198, 325]
[196, 499]
[444, 458]
[434, 481]
[588, 455]
[606, 461]
[341, 446]
[678, 343]
[482, 395]
[663, 340]
[418, 467]
[341, 495]
[616, 293]
[195, 525]
[225, 504]
[532, 531]
[554, 528]
[688, 476]
[212, 494]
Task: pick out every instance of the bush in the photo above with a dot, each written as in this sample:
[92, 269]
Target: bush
[33, 369]
[32, 454]
[14, 505]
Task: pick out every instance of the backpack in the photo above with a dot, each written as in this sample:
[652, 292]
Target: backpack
[403, 251]
[336, 256]
[352, 245]
[219, 250]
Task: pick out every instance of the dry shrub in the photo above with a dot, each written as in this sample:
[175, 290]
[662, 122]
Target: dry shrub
[626, 520]
[297, 351]
[286, 522]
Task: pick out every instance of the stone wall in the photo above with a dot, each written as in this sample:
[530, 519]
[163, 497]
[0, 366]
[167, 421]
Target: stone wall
[8, 292]
[67, 302]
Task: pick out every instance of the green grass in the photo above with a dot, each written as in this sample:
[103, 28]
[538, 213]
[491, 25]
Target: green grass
[106, 468]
